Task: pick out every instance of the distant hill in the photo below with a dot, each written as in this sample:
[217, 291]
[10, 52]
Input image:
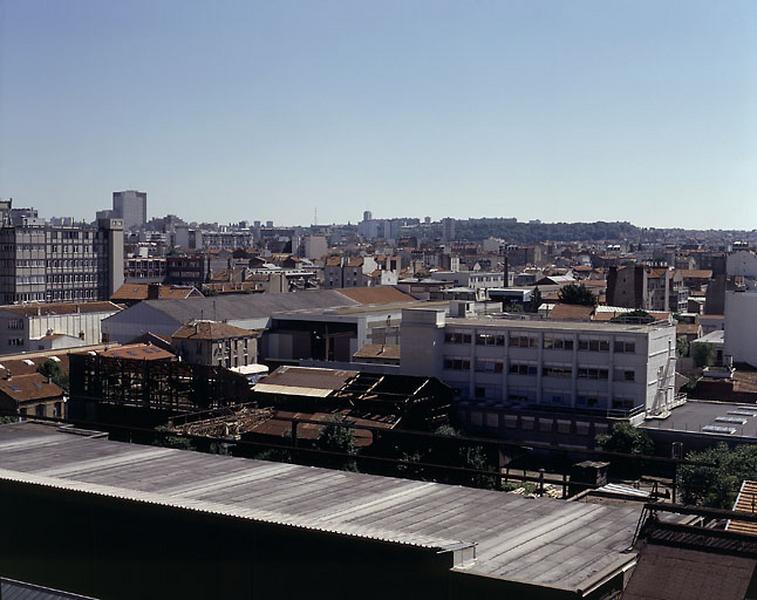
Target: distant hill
[526, 233]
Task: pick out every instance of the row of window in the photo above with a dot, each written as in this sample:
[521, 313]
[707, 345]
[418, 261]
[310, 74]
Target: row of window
[530, 423]
[529, 369]
[595, 401]
[549, 343]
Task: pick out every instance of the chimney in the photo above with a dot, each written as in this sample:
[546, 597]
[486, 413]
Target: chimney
[153, 291]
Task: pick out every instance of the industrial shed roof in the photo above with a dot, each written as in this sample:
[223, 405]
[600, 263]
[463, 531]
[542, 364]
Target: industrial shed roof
[234, 308]
[569, 546]
[11, 589]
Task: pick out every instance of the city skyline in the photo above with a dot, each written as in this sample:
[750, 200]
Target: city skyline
[633, 112]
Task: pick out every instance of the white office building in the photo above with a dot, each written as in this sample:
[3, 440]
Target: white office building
[546, 377]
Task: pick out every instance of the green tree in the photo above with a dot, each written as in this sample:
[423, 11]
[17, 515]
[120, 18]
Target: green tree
[682, 346]
[627, 439]
[703, 354]
[337, 436]
[536, 300]
[52, 370]
[717, 481]
[447, 430]
[474, 457]
[577, 293]
[410, 467]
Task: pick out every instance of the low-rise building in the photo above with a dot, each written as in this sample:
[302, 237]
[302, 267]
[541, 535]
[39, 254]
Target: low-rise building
[29, 327]
[216, 344]
[32, 394]
[145, 269]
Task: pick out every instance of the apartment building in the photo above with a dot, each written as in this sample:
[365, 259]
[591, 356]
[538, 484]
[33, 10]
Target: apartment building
[145, 269]
[647, 287]
[360, 271]
[190, 269]
[472, 279]
[509, 372]
[42, 263]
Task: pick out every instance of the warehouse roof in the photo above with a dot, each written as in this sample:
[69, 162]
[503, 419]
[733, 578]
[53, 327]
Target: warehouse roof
[246, 306]
[11, 589]
[569, 546]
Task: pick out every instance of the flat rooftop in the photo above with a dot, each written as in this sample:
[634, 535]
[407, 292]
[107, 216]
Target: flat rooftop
[588, 326]
[305, 314]
[706, 417]
[565, 545]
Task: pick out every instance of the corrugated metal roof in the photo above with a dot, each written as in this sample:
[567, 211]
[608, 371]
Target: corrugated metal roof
[294, 390]
[241, 307]
[18, 590]
[683, 574]
[539, 541]
[315, 379]
[746, 501]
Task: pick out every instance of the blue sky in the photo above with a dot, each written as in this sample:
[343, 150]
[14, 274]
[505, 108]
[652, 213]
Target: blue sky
[643, 111]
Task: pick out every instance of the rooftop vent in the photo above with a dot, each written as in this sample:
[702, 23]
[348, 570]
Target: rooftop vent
[719, 429]
[733, 420]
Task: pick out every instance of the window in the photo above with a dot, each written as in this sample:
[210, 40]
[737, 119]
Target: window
[624, 375]
[592, 373]
[622, 403]
[489, 366]
[523, 369]
[591, 401]
[545, 425]
[486, 339]
[556, 371]
[511, 421]
[39, 410]
[622, 347]
[457, 364]
[457, 338]
[553, 343]
[594, 345]
[522, 341]
[15, 324]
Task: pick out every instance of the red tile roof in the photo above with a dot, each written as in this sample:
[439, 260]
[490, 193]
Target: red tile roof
[571, 312]
[59, 308]
[210, 330]
[138, 352]
[380, 294]
[140, 291]
[29, 388]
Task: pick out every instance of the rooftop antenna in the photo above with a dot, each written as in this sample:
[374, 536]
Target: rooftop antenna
[315, 216]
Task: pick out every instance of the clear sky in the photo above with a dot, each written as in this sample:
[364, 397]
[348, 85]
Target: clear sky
[572, 110]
